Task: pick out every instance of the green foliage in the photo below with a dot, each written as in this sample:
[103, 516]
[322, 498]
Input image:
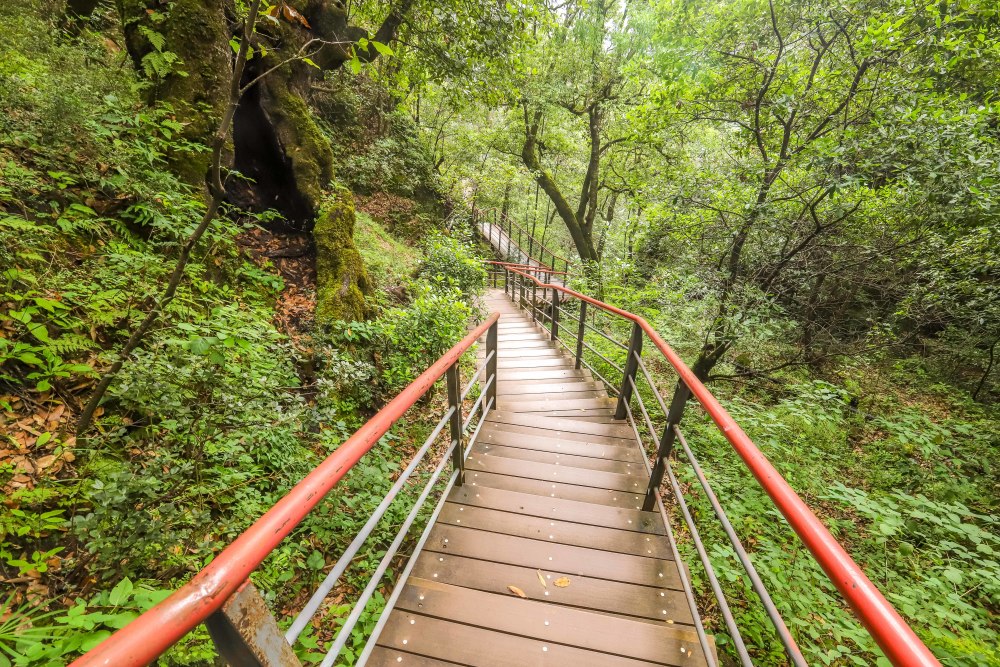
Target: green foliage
[390, 262]
[452, 262]
[31, 635]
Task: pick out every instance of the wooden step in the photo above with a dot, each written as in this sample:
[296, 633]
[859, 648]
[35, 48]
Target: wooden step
[547, 555]
[644, 602]
[533, 619]
[558, 436]
[557, 532]
[550, 472]
[586, 494]
[621, 518]
[562, 425]
[600, 448]
[588, 462]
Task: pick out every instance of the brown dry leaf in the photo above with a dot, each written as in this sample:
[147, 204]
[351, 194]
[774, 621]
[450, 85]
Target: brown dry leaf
[517, 591]
[68, 457]
[541, 579]
[561, 582]
[56, 413]
[292, 15]
[45, 461]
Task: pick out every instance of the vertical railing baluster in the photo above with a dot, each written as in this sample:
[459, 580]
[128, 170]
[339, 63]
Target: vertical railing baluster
[492, 347]
[555, 313]
[580, 332]
[631, 366]
[674, 414]
[455, 402]
[534, 300]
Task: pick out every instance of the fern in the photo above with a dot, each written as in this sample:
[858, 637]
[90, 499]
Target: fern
[70, 344]
[155, 38]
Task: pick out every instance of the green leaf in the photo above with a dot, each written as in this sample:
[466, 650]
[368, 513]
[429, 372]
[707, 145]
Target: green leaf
[355, 65]
[92, 639]
[200, 346]
[235, 45]
[120, 593]
[953, 575]
[382, 48]
[309, 62]
[43, 385]
[316, 560]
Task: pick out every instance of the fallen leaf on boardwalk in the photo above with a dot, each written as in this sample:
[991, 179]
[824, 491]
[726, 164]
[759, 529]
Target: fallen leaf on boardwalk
[541, 579]
[517, 591]
[561, 582]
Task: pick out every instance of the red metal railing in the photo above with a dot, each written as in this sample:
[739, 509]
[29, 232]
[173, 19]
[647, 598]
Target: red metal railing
[147, 637]
[897, 640]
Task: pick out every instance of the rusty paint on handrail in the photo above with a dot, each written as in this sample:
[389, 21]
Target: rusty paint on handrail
[895, 637]
[144, 639]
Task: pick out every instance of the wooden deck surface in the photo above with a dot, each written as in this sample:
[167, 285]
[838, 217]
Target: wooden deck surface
[552, 496]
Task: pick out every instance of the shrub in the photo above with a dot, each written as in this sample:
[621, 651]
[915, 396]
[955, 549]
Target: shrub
[451, 262]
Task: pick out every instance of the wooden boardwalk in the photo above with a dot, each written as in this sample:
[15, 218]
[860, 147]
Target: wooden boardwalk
[550, 511]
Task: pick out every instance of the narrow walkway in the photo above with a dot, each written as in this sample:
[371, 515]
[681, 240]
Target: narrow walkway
[543, 556]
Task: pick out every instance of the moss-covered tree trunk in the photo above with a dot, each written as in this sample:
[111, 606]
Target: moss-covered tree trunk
[183, 49]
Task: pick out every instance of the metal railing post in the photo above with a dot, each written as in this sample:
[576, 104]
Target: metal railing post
[520, 282]
[534, 300]
[674, 414]
[245, 633]
[455, 401]
[555, 313]
[580, 332]
[631, 366]
[491, 366]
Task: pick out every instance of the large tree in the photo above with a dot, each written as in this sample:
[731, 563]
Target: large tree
[581, 86]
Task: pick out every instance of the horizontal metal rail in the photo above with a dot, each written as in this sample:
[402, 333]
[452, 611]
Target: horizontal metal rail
[896, 639]
[148, 636]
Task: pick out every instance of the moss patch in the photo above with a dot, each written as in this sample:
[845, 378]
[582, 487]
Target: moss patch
[301, 140]
[342, 282]
[198, 85]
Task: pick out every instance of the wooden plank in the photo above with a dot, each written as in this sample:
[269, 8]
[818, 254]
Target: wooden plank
[527, 387]
[557, 531]
[586, 494]
[520, 362]
[542, 403]
[548, 472]
[558, 436]
[546, 555]
[387, 657]
[596, 449]
[525, 343]
[479, 647]
[649, 642]
[562, 425]
[601, 416]
[565, 510]
[528, 352]
[614, 597]
[516, 392]
[587, 462]
[548, 374]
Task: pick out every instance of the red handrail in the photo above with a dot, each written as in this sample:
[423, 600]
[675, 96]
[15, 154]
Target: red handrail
[529, 267]
[147, 637]
[897, 640]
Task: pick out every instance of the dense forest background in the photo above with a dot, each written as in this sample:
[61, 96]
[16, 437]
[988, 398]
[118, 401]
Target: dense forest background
[222, 249]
